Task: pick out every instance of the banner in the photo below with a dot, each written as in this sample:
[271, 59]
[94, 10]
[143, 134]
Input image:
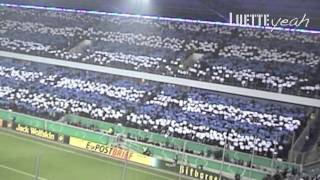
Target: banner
[63, 138]
[113, 151]
[197, 173]
[9, 124]
[4, 123]
[168, 166]
[35, 132]
[189, 171]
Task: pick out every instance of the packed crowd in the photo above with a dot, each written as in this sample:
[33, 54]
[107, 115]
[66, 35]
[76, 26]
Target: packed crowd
[285, 62]
[241, 123]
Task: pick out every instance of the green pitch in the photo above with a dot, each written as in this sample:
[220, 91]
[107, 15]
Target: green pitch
[18, 156]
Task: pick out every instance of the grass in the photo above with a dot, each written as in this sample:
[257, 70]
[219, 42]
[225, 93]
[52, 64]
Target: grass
[18, 155]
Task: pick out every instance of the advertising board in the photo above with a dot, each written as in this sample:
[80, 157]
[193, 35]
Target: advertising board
[115, 152]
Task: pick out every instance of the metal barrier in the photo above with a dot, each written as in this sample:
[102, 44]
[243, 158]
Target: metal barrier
[160, 152]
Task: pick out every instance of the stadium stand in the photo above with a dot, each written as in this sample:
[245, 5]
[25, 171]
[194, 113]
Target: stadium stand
[252, 137]
[253, 58]
[199, 115]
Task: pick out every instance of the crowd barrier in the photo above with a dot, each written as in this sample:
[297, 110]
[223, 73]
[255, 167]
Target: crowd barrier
[108, 150]
[182, 163]
[258, 161]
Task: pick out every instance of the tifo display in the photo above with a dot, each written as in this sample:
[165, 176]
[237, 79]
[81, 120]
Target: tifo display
[286, 62]
[185, 98]
[199, 115]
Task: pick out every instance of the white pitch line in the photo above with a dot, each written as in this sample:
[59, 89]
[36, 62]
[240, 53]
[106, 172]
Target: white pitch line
[80, 154]
[19, 171]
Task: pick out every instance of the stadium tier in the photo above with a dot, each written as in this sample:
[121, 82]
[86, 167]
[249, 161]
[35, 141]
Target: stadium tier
[199, 115]
[209, 118]
[285, 62]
